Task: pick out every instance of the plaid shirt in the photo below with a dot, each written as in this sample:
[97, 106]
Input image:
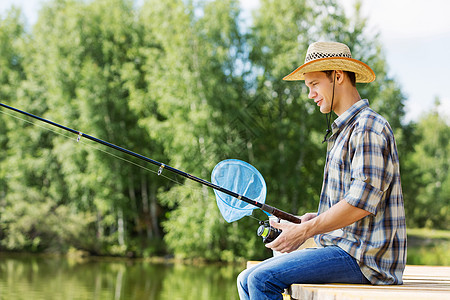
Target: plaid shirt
[362, 168]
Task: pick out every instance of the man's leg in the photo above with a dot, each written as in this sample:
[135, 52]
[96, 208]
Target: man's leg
[242, 279]
[268, 279]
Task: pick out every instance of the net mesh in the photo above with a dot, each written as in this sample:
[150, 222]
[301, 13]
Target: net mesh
[243, 179]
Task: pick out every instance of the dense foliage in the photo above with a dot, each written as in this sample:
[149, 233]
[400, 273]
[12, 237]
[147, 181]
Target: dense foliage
[185, 83]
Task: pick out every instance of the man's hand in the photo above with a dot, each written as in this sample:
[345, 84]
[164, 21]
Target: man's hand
[292, 235]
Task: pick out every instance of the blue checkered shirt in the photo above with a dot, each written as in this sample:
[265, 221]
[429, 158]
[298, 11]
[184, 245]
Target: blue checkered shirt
[362, 168]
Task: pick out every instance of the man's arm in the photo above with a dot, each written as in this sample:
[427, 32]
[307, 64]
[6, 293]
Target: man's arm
[293, 236]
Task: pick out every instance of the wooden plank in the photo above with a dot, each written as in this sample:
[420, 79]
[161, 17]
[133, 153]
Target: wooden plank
[427, 272]
[252, 263]
[351, 294]
[420, 282]
[367, 288]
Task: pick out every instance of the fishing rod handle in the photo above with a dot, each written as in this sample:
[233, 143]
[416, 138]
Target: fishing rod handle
[281, 214]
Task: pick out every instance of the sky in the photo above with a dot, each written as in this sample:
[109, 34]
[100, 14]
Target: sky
[415, 35]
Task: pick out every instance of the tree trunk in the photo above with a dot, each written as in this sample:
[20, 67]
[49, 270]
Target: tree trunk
[145, 207]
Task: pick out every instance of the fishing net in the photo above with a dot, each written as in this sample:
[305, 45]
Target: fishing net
[243, 179]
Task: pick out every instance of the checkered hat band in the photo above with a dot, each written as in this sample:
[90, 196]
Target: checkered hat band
[317, 55]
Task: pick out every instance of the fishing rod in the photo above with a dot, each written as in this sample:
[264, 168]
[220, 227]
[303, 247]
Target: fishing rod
[264, 207]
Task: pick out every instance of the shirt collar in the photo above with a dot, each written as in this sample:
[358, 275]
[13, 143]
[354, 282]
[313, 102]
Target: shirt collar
[349, 114]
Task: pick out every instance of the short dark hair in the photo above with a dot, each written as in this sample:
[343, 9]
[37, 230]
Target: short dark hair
[351, 76]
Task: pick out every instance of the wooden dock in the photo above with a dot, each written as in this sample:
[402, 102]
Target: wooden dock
[420, 282]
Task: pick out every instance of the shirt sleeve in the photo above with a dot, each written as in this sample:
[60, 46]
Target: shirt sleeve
[371, 170]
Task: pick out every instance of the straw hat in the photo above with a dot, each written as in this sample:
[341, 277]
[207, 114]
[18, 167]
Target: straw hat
[323, 56]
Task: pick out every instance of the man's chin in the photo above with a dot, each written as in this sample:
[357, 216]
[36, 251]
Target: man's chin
[324, 110]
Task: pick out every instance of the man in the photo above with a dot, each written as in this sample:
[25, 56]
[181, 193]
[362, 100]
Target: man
[360, 223]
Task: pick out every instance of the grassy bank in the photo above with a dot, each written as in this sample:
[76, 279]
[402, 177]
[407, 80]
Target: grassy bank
[428, 247]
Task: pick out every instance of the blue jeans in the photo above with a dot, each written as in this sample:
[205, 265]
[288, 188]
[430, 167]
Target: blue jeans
[268, 279]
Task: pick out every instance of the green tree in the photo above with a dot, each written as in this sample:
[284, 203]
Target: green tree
[79, 62]
[194, 85]
[431, 206]
[32, 189]
[11, 72]
[94, 52]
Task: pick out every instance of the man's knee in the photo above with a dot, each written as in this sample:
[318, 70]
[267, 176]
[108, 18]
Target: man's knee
[257, 278]
[242, 278]
[250, 277]
[242, 285]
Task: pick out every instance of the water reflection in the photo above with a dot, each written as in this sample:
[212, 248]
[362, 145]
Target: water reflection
[35, 277]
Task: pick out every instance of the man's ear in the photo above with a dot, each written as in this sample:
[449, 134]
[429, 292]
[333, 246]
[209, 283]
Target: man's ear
[339, 76]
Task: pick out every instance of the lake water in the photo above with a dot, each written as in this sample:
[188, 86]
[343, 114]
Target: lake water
[39, 278]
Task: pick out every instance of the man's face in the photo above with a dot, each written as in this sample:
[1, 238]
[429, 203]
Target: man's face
[320, 90]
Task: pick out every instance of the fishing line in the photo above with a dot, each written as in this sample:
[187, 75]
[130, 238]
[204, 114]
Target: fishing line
[77, 139]
[35, 124]
[253, 217]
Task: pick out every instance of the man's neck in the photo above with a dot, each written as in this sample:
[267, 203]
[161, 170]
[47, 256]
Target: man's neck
[346, 98]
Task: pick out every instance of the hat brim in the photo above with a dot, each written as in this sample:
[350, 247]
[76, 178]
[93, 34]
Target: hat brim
[362, 71]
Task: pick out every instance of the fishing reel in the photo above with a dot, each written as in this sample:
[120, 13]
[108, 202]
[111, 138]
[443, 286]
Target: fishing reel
[267, 232]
